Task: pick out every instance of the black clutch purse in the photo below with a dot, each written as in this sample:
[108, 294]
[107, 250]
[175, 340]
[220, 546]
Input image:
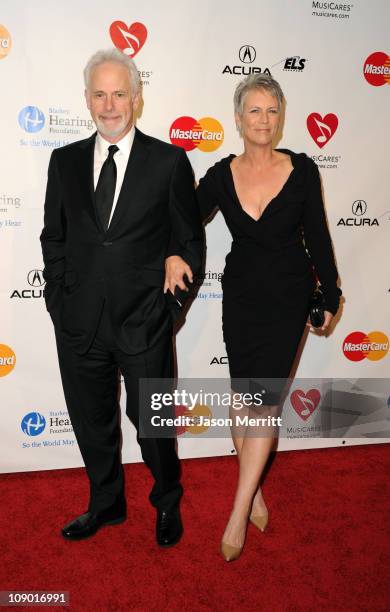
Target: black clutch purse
[317, 308]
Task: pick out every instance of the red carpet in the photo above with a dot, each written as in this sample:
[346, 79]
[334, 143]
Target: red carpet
[326, 547]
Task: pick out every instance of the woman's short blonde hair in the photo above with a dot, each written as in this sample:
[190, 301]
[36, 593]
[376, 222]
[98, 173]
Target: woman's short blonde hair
[256, 81]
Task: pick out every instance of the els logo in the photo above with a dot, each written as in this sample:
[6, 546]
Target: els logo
[321, 129]
[206, 134]
[303, 403]
[376, 69]
[128, 39]
[295, 63]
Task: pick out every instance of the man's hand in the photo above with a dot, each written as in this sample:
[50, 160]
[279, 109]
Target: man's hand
[175, 269]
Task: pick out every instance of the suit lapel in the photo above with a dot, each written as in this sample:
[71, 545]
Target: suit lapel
[135, 173]
[85, 172]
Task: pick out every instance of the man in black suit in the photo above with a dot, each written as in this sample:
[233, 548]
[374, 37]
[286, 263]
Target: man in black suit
[121, 233]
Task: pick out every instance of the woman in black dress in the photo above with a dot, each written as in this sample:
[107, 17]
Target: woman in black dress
[272, 204]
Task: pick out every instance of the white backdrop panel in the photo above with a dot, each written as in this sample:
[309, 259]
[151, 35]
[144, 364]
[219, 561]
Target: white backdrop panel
[190, 65]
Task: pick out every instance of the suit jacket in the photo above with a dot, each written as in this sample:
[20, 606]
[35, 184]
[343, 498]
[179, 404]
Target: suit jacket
[156, 216]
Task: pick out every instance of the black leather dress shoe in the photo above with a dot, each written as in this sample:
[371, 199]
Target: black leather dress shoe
[169, 527]
[89, 523]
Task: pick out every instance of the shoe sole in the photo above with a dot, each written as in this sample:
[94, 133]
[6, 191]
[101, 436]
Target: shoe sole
[106, 524]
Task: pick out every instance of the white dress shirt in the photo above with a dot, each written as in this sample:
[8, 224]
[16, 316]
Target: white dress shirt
[121, 158]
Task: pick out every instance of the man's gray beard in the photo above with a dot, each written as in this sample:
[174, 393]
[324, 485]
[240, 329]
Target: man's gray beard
[110, 133]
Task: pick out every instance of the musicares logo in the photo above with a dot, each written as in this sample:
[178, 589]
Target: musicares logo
[128, 39]
[321, 129]
[373, 346]
[303, 403]
[7, 360]
[206, 134]
[376, 69]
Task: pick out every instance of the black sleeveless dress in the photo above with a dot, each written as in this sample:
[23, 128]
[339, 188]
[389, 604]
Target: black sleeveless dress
[269, 277]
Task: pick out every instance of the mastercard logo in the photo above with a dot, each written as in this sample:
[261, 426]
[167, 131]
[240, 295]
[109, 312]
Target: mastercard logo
[373, 346]
[5, 42]
[7, 360]
[196, 416]
[205, 134]
[376, 69]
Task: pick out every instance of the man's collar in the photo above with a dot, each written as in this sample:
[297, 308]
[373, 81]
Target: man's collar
[124, 144]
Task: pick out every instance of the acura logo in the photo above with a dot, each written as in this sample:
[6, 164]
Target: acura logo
[247, 54]
[35, 278]
[359, 208]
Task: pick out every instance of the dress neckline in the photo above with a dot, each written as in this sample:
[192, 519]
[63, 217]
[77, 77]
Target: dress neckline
[232, 156]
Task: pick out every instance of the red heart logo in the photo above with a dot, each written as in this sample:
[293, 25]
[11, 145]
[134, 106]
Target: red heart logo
[321, 129]
[130, 39]
[303, 403]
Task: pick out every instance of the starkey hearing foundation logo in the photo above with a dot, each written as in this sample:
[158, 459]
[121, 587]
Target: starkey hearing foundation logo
[206, 134]
[376, 69]
[31, 119]
[128, 39]
[33, 424]
[373, 346]
[7, 360]
[5, 42]
[321, 129]
[305, 403]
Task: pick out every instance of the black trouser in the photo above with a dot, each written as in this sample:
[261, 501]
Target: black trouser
[91, 386]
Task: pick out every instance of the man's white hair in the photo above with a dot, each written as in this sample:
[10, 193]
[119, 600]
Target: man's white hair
[113, 55]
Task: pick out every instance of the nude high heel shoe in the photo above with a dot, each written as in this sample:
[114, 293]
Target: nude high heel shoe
[230, 553]
[260, 521]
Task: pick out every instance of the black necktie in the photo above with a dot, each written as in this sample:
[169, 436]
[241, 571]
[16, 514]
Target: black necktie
[105, 189]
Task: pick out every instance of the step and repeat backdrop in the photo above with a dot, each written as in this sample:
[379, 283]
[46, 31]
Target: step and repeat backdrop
[332, 60]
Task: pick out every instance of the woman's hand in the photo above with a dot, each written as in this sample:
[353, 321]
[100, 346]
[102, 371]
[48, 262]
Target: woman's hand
[175, 270]
[324, 327]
